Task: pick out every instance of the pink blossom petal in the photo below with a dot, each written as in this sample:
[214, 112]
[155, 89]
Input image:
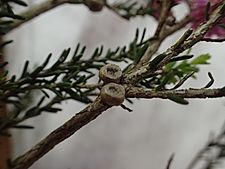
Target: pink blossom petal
[198, 9]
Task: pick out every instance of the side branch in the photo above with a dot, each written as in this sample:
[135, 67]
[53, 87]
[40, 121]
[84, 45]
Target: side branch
[160, 35]
[179, 47]
[40, 9]
[47, 5]
[94, 110]
[152, 49]
[60, 134]
[138, 92]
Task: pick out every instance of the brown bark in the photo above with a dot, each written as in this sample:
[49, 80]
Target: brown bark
[82, 118]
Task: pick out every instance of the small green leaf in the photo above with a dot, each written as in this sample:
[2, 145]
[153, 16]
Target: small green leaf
[140, 52]
[19, 2]
[25, 69]
[202, 59]
[23, 127]
[13, 78]
[210, 83]
[2, 65]
[207, 13]
[52, 109]
[166, 79]
[179, 58]
[143, 35]
[177, 99]
[6, 43]
[38, 69]
[170, 66]
[61, 59]
[77, 57]
[221, 25]
[157, 60]
[32, 112]
[189, 69]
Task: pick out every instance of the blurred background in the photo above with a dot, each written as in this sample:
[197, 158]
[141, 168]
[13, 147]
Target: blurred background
[143, 139]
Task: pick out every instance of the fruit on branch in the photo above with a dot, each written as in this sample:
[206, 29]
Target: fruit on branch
[112, 94]
[95, 5]
[110, 73]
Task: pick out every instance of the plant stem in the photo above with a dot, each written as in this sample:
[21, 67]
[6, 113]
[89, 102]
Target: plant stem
[63, 132]
[138, 92]
[40, 9]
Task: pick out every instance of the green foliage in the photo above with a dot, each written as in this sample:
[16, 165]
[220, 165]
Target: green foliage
[201, 60]
[177, 71]
[63, 80]
[136, 48]
[5, 26]
[129, 9]
[6, 8]
[7, 14]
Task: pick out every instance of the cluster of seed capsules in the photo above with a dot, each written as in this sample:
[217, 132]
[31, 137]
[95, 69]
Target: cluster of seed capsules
[112, 93]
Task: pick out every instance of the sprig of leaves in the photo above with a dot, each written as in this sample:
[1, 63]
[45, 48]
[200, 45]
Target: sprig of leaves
[64, 79]
[176, 72]
[129, 9]
[6, 9]
[8, 15]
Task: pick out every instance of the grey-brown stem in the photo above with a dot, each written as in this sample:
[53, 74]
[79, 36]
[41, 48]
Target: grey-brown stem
[63, 132]
[138, 92]
[40, 9]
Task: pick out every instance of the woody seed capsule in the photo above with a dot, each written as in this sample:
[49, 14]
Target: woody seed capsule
[112, 94]
[110, 73]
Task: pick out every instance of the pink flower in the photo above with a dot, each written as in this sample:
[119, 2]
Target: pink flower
[198, 13]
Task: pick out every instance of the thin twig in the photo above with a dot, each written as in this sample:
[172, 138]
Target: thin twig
[90, 86]
[40, 9]
[184, 79]
[48, 5]
[170, 161]
[159, 35]
[216, 142]
[139, 92]
[164, 14]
